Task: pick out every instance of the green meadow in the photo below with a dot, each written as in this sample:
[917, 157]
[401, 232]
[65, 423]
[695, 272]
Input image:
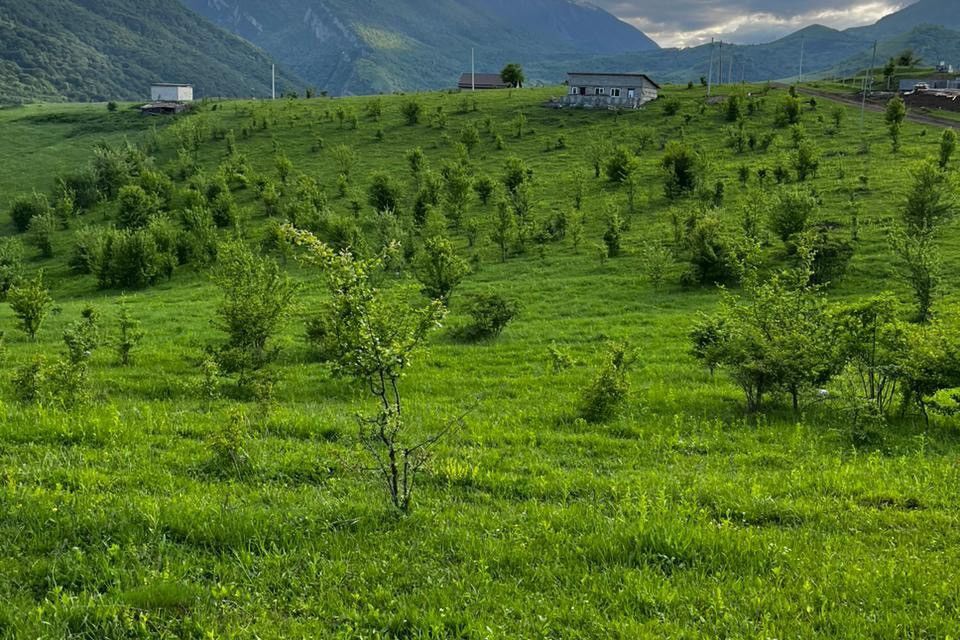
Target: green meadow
[682, 516]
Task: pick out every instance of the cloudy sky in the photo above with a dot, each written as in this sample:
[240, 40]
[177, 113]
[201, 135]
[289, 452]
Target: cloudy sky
[682, 23]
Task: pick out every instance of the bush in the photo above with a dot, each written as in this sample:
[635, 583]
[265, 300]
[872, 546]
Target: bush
[256, 298]
[135, 207]
[711, 253]
[384, 194]
[26, 208]
[791, 212]
[30, 302]
[41, 232]
[671, 106]
[620, 165]
[129, 334]
[490, 313]
[484, 188]
[789, 112]
[439, 269]
[683, 170]
[608, 392]
[83, 186]
[11, 264]
[129, 260]
[831, 255]
[516, 174]
[411, 110]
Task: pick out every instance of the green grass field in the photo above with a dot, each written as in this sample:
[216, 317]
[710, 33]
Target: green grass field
[682, 518]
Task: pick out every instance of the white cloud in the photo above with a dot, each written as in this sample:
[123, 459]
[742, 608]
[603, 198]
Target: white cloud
[683, 23]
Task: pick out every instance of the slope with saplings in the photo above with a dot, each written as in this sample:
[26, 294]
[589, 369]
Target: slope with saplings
[590, 491]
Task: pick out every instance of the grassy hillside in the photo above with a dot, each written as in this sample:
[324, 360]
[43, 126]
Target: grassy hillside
[680, 517]
[85, 50]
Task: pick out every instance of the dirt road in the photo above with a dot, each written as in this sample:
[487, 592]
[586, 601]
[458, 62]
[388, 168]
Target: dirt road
[919, 118]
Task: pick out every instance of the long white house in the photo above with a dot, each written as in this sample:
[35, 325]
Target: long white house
[610, 90]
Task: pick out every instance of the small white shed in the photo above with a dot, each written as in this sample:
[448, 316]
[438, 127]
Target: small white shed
[167, 92]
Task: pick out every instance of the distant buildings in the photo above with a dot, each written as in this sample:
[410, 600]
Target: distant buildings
[166, 92]
[482, 81]
[609, 90]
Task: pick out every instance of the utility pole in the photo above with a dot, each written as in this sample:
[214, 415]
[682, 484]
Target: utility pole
[273, 81]
[710, 74]
[863, 104]
[473, 70]
[720, 68]
[730, 77]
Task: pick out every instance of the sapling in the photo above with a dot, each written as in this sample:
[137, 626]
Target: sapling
[376, 337]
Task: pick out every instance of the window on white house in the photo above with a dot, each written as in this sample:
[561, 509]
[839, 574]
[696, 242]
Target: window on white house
[631, 93]
[615, 92]
[574, 91]
[600, 91]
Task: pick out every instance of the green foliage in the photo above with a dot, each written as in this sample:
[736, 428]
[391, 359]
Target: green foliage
[11, 264]
[490, 313]
[129, 334]
[256, 299]
[512, 74]
[895, 114]
[791, 213]
[135, 207]
[621, 165]
[26, 208]
[384, 194]
[30, 301]
[683, 168]
[948, 144]
[610, 388]
[411, 110]
[773, 337]
[439, 269]
[41, 232]
[789, 112]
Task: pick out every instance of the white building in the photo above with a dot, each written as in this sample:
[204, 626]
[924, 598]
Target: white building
[166, 92]
[610, 90]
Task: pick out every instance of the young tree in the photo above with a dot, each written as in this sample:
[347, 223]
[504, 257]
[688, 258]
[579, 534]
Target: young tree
[30, 302]
[948, 143]
[256, 298]
[384, 194]
[11, 264]
[683, 170]
[895, 114]
[504, 229]
[129, 336]
[775, 336]
[41, 232]
[608, 392]
[889, 70]
[791, 212]
[411, 110]
[512, 74]
[439, 269]
[375, 338]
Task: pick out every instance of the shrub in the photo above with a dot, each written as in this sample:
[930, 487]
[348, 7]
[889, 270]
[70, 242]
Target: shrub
[484, 188]
[256, 298]
[439, 269]
[789, 112]
[683, 169]
[608, 392]
[620, 165]
[807, 161]
[129, 260]
[791, 212]
[711, 253]
[516, 174]
[41, 232]
[411, 110]
[26, 208]
[135, 207]
[129, 334]
[30, 302]
[490, 313]
[11, 264]
[613, 235]
[948, 143]
[894, 115]
[831, 255]
[672, 106]
[83, 186]
[384, 194]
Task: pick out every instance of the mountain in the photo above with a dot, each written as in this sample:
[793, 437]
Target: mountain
[370, 46]
[82, 50]
[943, 13]
[930, 43]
